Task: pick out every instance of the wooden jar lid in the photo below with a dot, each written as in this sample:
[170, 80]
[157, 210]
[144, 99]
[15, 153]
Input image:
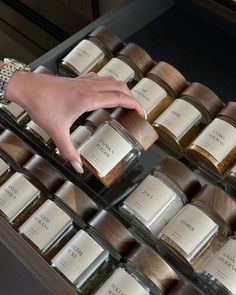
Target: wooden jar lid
[139, 58]
[180, 174]
[229, 111]
[44, 173]
[97, 117]
[205, 97]
[110, 39]
[14, 147]
[77, 200]
[113, 231]
[182, 288]
[220, 202]
[136, 126]
[174, 81]
[153, 267]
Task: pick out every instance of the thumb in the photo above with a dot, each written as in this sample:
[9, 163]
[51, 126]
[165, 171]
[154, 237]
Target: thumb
[67, 149]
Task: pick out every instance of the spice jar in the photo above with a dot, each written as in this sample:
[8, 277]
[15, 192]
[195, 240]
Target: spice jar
[200, 227]
[146, 265]
[215, 147]
[116, 144]
[220, 271]
[184, 119]
[122, 282]
[13, 149]
[16, 112]
[76, 200]
[24, 192]
[89, 257]
[92, 53]
[160, 196]
[95, 119]
[130, 65]
[5, 171]
[47, 228]
[158, 89]
[182, 288]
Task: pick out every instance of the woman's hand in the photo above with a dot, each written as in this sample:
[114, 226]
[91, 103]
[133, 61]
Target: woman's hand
[54, 103]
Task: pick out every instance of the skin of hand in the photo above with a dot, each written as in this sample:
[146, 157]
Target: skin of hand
[54, 103]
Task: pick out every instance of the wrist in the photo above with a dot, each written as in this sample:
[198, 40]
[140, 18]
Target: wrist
[16, 87]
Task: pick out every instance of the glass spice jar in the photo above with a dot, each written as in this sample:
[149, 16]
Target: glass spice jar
[48, 229]
[116, 144]
[146, 265]
[159, 197]
[199, 228]
[182, 288]
[87, 259]
[158, 89]
[91, 54]
[24, 192]
[185, 118]
[92, 122]
[77, 201]
[16, 112]
[215, 147]
[220, 271]
[130, 65]
[13, 150]
[122, 282]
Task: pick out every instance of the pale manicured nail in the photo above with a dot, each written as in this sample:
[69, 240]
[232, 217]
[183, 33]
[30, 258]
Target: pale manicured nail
[77, 166]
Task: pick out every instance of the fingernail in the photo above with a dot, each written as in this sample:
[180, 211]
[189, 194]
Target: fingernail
[77, 166]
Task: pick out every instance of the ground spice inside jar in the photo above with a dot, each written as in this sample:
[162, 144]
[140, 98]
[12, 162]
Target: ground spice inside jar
[215, 147]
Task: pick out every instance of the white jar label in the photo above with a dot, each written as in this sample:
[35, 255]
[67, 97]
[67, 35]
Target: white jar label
[105, 149]
[121, 283]
[46, 225]
[16, 194]
[84, 56]
[77, 255]
[149, 94]
[79, 135]
[117, 69]
[14, 109]
[190, 229]
[218, 139]
[222, 265]
[150, 198]
[39, 131]
[179, 118]
[3, 167]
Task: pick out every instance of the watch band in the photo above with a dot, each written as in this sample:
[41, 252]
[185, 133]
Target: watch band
[8, 69]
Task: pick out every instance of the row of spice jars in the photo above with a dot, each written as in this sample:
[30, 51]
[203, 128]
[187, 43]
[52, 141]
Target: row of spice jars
[194, 231]
[51, 208]
[86, 257]
[174, 127]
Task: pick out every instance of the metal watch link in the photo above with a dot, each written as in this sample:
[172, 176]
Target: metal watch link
[8, 69]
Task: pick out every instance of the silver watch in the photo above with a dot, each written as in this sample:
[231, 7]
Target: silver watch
[8, 69]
